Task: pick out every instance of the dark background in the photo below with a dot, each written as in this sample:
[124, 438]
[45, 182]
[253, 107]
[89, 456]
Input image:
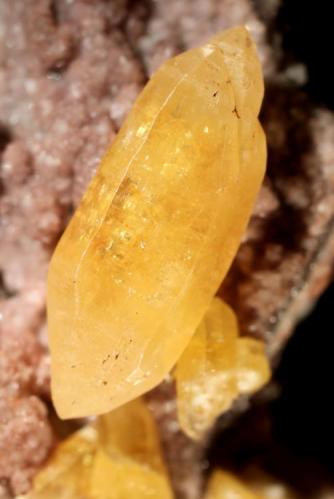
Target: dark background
[289, 432]
[291, 435]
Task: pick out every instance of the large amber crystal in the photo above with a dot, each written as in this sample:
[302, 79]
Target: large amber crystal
[157, 229]
[216, 367]
[118, 457]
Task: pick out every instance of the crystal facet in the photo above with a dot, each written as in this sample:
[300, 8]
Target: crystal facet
[158, 227]
[216, 367]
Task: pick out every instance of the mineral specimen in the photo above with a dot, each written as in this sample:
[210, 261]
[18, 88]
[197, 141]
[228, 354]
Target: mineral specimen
[215, 368]
[118, 457]
[157, 229]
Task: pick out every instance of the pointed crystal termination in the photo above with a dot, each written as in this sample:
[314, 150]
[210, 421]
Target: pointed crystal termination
[129, 463]
[216, 367]
[157, 229]
[119, 456]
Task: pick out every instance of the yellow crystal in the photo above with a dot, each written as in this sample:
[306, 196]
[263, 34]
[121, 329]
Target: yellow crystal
[205, 386]
[126, 480]
[267, 486]
[253, 370]
[118, 457]
[224, 485]
[67, 473]
[157, 229]
[129, 457]
[215, 368]
[131, 431]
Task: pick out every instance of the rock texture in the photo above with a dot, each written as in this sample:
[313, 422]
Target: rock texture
[69, 72]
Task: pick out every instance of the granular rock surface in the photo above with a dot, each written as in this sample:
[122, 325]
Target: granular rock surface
[69, 72]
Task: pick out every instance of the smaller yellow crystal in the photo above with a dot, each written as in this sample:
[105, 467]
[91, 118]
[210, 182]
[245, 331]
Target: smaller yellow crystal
[205, 387]
[266, 486]
[253, 370]
[215, 368]
[125, 479]
[117, 457]
[130, 456]
[66, 474]
[223, 485]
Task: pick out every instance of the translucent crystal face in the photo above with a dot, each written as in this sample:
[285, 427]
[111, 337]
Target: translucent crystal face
[157, 229]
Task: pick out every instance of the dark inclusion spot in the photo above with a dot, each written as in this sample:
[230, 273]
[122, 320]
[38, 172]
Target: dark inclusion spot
[105, 360]
[73, 366]
[105, 382]
[236, 112]
[116, 356]
[215, 93]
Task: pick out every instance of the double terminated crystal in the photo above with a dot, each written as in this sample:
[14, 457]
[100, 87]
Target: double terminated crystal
[157, 229]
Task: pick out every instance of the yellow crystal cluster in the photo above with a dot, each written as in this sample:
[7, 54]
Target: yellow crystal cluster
[117, 457]
[158, 227]
[216, 367]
